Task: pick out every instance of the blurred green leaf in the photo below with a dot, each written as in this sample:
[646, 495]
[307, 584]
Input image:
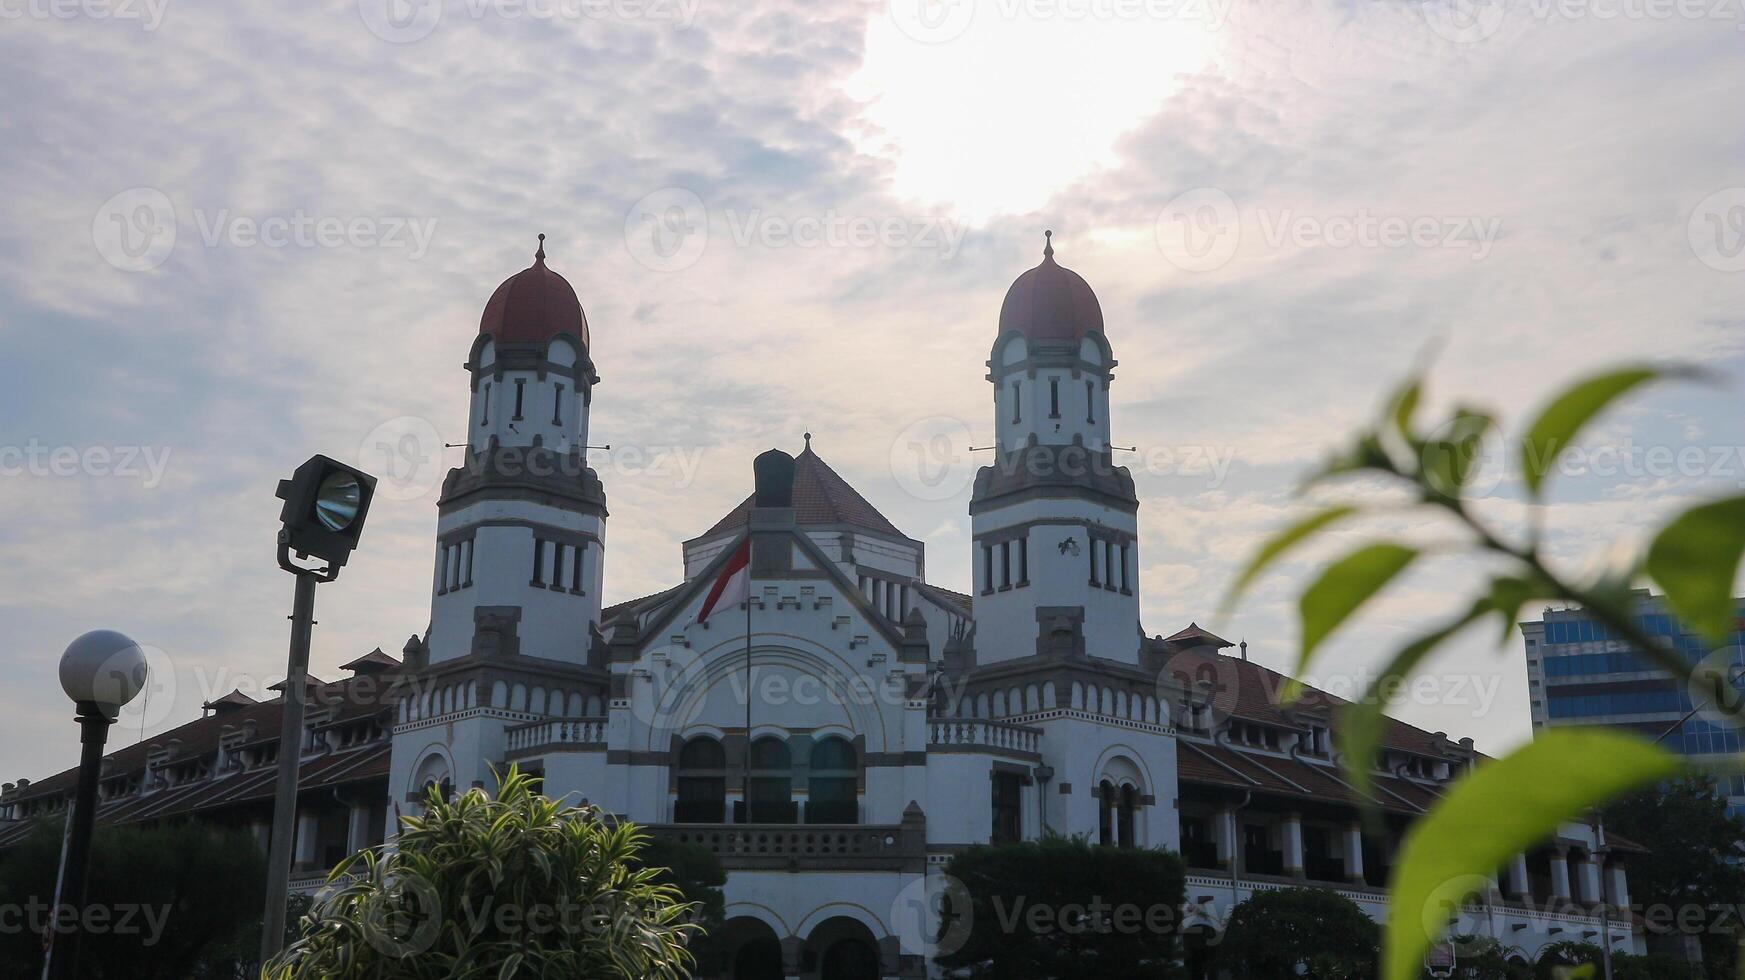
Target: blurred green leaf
[1342, 588]
[1366, 454]
[1404, 405]
[1447, 461]
[1695, 558]
[1561, 422]
[1501, 809]
[1360, 723]
[1278, 544]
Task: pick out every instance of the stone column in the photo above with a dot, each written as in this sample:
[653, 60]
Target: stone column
[1520, 886]
[357, 832]
[1224, 837]
[308, 830]
[1620, 896]
[1292, 828]
[1590, 879]
[1354, 853]
[1560, 873]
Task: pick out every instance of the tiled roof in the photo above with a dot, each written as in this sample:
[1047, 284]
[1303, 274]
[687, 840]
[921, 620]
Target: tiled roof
[820, 497]
[348, 700]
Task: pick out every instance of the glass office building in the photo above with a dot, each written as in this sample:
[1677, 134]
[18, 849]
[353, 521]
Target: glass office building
[1579, 673]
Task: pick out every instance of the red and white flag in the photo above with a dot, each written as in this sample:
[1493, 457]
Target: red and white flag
[732, 586]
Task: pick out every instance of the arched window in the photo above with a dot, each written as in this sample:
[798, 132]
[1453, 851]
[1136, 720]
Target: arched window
[1105, 813]
[771, 790]
[702, 782]
[1129, 802]
[831, 795]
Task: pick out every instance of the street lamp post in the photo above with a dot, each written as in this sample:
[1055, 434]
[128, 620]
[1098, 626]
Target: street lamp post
[326, 502]
[101, 671]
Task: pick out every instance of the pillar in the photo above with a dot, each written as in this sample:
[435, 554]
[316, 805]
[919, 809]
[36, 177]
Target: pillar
[1520, 886]
[1293, 844]
[1560, 873]
[1354, 853]
[1590, 879]
[308, 833]
[1224, 837]
[357, 831]
[1620, 896]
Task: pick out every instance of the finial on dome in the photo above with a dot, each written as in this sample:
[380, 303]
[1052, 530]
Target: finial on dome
[539, 256]
[1048, 244]
[808, 442]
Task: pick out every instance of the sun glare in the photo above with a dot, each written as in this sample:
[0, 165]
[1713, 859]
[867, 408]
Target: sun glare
[996, 113]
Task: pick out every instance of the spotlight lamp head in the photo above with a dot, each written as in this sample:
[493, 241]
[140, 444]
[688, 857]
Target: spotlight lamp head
[326, 503]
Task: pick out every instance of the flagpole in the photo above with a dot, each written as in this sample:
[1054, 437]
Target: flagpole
[745, 785]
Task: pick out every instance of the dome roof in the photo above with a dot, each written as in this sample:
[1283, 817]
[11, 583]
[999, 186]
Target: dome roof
[1051, 303]
[534, 306]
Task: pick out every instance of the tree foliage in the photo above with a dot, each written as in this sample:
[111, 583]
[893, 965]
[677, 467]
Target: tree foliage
[1694, 559]
[176, 901]
[1271, 933]
[1064, 908]
[1695, 849]
[512, 887]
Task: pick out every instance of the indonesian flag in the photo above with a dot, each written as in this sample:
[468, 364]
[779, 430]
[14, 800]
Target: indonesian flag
[732, 586]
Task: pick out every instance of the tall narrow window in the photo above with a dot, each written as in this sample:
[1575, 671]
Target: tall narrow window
[1091, 402]
[1023, 560]
[987, 568]
[1008, 808]
[1109, 564]
[1054, 398]
[1005, 564]
[1017, 403]
[485, 413]
[702, 782]
[557, 407]
[441, 569]
[557, 548]
[520, 393]
[538, 561]
[469, 544]
[576, 580]
[1124, 585]
[831, 792]
[1128, 802]
[1095, 544]
[771, 790]
[1106, 813]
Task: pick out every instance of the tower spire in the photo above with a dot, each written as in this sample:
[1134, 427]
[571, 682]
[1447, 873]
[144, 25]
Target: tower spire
[1047, 244]
[539, 256]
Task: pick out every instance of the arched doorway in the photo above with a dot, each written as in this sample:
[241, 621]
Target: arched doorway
[749, 951]
[842, 949]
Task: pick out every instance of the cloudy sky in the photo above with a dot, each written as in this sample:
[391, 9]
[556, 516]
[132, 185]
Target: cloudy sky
[238, 234]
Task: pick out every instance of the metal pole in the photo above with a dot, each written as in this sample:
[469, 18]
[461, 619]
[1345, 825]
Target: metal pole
[63, 956]
[745, 781]
[284, 835]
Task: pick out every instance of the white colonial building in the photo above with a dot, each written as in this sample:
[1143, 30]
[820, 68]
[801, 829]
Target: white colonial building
[837, 737]
[837, 741]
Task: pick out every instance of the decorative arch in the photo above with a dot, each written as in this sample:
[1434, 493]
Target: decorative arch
[435, 765]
